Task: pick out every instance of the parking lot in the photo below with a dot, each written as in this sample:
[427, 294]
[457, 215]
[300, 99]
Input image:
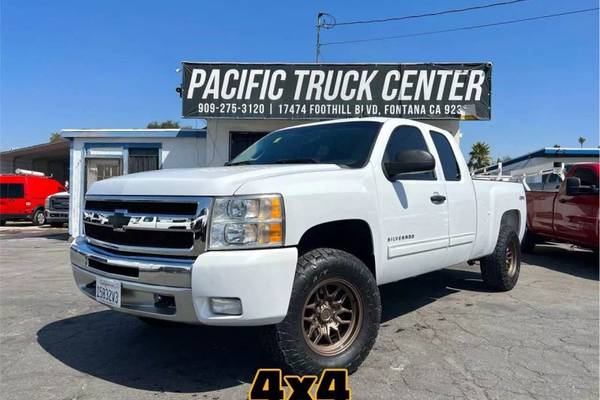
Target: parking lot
[443, 335]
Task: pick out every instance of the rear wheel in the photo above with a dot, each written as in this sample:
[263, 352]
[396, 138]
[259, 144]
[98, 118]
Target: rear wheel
[333, 316]
[39, 218]
[500, 270]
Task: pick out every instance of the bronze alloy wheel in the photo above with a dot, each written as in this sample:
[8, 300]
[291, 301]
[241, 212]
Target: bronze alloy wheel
[332, 317]
[511, 258]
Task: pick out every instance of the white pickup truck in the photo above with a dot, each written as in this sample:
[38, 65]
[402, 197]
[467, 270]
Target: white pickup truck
[296, 233]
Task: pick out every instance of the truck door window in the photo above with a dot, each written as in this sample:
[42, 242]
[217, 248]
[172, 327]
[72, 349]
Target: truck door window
[587, 177]
[11, 191]
[446, 154]
[407, 138]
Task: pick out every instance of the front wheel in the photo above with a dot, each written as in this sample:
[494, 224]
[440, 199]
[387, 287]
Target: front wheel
[500, 270]
[333, 316]
[39, 218]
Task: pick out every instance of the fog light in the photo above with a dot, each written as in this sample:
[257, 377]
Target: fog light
[227, 306]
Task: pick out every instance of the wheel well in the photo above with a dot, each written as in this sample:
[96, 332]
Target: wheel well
[511, 218]
[352, 235]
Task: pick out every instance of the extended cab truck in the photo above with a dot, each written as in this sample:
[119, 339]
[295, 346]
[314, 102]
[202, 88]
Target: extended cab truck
[567, 211]
[296, 233]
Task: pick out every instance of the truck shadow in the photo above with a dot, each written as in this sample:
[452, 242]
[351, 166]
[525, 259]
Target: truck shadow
[124, 350]
[559, 258]
[189, 359]
[402, 297]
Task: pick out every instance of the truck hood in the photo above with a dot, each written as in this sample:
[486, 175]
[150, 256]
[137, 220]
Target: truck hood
[60, 194]
[215, 181]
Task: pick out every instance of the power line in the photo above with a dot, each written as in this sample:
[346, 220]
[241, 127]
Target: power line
[432, 14]
[464, 28]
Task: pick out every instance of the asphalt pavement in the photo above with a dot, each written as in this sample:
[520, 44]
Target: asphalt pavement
[443, 336]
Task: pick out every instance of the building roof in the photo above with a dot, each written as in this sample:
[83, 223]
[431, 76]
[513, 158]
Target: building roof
[129, 133]
[38, 149]
[551, 152]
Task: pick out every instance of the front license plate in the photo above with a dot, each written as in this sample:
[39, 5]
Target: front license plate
[108, 291]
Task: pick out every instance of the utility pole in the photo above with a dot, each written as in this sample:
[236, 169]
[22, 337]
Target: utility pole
[326, 21]
[318, 46]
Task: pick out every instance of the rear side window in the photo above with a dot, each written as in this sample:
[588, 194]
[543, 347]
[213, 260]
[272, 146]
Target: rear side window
[587, 176]
[11, 191]
[444, 150]
[407, 138]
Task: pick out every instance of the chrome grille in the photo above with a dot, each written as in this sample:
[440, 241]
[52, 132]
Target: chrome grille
[163, 226]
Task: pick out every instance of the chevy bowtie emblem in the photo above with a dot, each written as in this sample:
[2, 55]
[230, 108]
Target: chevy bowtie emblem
[118, 220]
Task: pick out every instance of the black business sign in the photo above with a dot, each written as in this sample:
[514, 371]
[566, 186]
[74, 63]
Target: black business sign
[325, 91]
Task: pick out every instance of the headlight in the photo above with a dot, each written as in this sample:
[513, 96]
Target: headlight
[246, 222]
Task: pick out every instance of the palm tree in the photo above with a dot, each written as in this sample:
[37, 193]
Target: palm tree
[479, 156]
[581, 141]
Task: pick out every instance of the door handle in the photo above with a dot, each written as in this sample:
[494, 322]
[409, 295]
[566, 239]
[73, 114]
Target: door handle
[438, 199]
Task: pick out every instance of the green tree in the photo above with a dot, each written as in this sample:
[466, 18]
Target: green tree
[55, 137]
[163, 125]
[581, 141]
[479, 156]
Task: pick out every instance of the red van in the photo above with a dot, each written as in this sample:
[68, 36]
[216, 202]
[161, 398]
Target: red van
[22, 197]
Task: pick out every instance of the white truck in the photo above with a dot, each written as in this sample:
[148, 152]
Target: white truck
[296, 233]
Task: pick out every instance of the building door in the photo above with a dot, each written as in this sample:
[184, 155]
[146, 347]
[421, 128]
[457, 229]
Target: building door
[142, 159]
[240, 141]
[97, 169]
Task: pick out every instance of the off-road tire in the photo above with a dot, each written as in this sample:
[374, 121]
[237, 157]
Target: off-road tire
[495, 271]
[529, 242]
[36, 217]
[286, 343]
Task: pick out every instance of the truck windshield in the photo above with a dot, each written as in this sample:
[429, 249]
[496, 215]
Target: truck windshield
[344, 143]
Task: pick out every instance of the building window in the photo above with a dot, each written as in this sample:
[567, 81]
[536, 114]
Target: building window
[240, 141]
[141, 160]
[97, 169]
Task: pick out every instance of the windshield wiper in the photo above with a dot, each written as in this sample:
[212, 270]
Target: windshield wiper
[297, 161]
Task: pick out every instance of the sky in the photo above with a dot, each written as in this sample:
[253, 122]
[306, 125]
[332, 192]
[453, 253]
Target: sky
[112, 63]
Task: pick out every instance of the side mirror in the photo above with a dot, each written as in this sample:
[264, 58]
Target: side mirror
[572, 186]
[409, 161]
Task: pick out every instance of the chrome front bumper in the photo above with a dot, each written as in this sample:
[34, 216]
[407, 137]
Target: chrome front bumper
[150, 286]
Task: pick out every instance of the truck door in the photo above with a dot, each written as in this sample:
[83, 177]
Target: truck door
[576, 217]
[462, 218]
[413, 212]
